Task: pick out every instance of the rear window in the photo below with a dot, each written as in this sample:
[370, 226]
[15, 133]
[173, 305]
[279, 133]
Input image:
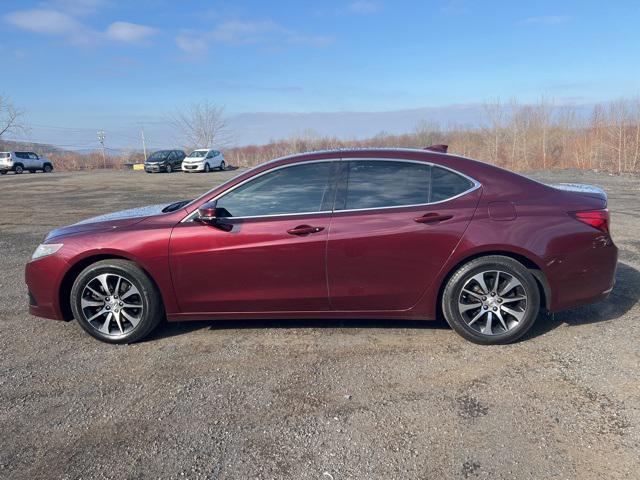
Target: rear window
[4, 154]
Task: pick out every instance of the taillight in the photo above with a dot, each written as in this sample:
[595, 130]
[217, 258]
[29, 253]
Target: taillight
[598, 219]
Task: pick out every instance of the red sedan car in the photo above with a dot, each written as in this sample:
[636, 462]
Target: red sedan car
[371, 233]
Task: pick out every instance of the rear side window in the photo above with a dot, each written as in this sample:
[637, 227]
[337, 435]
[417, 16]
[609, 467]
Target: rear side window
[380, 183]
[302, 188]
[393, 183]
[446, 184]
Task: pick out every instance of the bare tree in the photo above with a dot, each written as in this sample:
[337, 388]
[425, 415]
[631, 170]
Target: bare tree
[203, 125]
[10, 117]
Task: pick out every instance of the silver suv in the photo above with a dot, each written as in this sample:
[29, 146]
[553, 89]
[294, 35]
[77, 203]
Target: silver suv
[18, 162]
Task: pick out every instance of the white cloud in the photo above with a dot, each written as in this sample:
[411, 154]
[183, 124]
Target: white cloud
[61, 24]
[243, 33]
[364, 7]
[235, 32]
[546, 20]
[50, 22]
[129, 32]
[192, 45]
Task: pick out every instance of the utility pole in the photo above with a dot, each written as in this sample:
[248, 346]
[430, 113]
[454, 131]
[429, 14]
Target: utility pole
[101, 140]
[144, 145]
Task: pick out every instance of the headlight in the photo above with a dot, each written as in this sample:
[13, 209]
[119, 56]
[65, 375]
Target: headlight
[45, 249]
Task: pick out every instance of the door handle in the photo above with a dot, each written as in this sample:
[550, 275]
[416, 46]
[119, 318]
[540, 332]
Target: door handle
[304, 230]
[432, 218]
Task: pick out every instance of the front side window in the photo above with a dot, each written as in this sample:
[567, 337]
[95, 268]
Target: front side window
[302, 188]
[382, 183]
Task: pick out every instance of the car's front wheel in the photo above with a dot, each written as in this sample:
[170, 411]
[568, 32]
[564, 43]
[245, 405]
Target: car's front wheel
[491, 300]
[169, 168]
[207, 168]
[116, 302]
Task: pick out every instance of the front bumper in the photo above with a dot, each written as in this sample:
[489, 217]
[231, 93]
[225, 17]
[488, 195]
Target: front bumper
[154, 168]
[193, 167]
[44, 280]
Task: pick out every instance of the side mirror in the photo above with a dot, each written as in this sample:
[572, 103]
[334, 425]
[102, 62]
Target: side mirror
[209, 214]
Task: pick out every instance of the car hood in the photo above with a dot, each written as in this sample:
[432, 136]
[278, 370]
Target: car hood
[109, 221]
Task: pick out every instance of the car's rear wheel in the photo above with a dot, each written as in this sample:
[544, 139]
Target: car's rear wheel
[18, 169]
[116, 302]
[491, 300]
[223, 165]
[47, 168]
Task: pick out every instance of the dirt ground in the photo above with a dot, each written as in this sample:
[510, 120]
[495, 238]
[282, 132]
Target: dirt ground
[309, 399]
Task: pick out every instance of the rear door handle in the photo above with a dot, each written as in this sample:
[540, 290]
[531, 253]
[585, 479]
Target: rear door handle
[432, 218]
[304, 230]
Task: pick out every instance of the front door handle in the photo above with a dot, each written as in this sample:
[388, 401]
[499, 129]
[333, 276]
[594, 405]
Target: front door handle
[432, 218]
[304, 230]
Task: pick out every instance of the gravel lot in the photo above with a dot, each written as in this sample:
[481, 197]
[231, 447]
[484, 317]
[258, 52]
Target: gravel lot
[309, 399]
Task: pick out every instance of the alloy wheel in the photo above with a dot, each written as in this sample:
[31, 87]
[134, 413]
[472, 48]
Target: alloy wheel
[111, 304]
[493, 302]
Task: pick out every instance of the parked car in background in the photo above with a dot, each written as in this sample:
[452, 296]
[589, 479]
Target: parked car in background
[204, 160]
[365, 233]
[164, 161]
[18, 162]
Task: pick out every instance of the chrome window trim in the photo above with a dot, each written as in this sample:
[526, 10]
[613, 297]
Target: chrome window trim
[475, 185]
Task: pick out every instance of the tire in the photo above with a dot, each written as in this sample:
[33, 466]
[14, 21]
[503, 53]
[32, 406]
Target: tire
[223, 166]
[481, 318]
[3, 172]
[207, 168]
[107, 316]
[169, 168]
[47, 168]
[18, 169]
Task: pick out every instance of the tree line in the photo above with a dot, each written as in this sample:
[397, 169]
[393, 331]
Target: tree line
[521, 137]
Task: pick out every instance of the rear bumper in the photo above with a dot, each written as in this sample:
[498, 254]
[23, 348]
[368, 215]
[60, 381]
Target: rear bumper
[584, 276]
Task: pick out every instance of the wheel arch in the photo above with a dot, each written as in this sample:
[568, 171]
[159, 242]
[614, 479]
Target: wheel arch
[533, 267]
[64, 293]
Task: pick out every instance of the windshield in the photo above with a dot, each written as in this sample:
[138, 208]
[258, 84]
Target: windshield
[198, 154]
[157, 156]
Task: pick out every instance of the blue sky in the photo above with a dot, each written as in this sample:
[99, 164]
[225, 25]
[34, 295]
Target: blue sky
[79, 65]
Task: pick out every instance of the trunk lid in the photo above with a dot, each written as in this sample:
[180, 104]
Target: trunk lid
[582, 190]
